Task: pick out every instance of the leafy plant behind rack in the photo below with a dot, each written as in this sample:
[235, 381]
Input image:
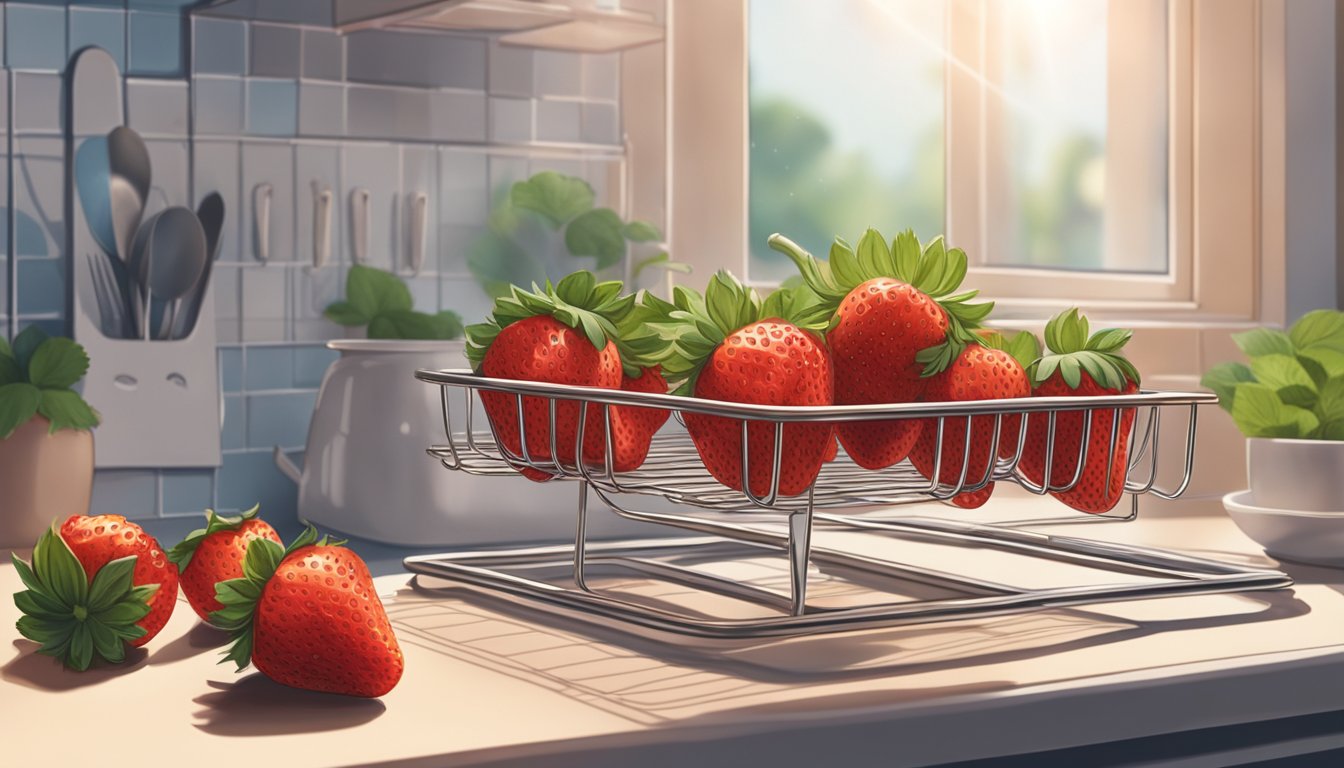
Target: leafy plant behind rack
[381, 302]
[37, 374]
[551, 209]
[1294, 385]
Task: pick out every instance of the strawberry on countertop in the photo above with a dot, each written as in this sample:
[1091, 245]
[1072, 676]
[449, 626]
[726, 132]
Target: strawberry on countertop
[215, 553]
[99, 584]
[887, 303]
[1088, 365]
[307, 616]
[729, 347]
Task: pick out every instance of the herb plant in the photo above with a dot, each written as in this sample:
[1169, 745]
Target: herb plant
[1294, 385]
[36, 376]
[526, 221]
[381, 301]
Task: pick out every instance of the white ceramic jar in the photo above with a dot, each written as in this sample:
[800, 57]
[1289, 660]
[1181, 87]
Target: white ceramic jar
[366, 472]
[1296, 475]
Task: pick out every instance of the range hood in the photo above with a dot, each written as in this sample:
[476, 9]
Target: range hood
[589, 26]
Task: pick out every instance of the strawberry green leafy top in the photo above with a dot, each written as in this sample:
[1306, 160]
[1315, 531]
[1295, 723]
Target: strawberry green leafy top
[240, 596]
[182, 552]
[1023, 345]
[1071, 350]
[579, 301]
[72, 618]
[696, 325]
[934, 269]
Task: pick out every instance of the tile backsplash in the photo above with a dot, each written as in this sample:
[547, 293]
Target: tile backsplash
[226, 104]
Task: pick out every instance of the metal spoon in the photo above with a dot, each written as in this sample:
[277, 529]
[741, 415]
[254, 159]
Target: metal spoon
[211, 215]
[169, 253]
[128, 185]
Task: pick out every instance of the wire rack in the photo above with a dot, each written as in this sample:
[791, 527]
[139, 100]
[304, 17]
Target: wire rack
[741, 525]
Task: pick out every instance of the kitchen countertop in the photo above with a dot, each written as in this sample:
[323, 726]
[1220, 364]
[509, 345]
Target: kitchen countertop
[486, 684]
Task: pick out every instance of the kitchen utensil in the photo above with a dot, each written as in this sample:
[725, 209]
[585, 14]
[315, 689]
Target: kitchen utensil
[108, 292]
[211, 215]
[92, 184]
[359, 225]
[175, 258]
[419, 219]
[1307, 537]
[261, 214]
[128, 185]
[321, 224]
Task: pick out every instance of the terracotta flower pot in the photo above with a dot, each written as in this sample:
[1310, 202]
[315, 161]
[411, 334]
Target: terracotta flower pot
[43, 477]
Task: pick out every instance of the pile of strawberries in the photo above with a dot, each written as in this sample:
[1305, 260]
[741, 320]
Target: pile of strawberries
[305, 615]
[880, 322]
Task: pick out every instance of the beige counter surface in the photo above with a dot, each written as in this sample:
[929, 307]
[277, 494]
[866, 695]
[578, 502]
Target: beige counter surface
[486, 683]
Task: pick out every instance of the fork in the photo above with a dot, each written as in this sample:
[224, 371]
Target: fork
[108, 293]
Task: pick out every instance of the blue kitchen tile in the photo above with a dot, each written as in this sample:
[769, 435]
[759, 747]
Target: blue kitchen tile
[510, 120]
[414, 58]
[311, 364]
[231, 369]
[389, 113]
[233, 435]
[159, 5]
[264, 313]
[53, 327]
[169, 160]
[323, 55]
[157, 107]
[317, 13]
[226, 285]
[465, 297]
[37, 103]
[38, 171]
[41, 286]
[274, 51]
[280, 419]
[220, 47]
[602, 76]
[464, 187]
[188, 491]
[321, 109]
[510, 70]
[34, 37]
[272, 107]
[457, 116]
[601, 123]
[424, 291]
[130, 492]
[558, 73]
[559, 121]
[251, 478]
[270, 368]
[101, 27]
[156, 43]
[219, 105]
[215, 168]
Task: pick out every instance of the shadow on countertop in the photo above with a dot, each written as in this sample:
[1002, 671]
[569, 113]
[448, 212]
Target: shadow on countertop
[257, 706]
[45, 673]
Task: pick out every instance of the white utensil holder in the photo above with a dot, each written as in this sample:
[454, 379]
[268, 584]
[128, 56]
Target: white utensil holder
[159, 399]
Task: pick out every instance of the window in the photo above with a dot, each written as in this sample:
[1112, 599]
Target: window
[1062, 143]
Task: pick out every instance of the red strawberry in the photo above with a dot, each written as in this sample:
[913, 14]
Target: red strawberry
[307, 616]
[978, 373]
[1088, 366]
[728, 351]
[562, 336]
[215, 553]
[633, 427]
[888, 304]
[95, 587]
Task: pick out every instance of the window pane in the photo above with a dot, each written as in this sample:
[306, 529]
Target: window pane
[846, 121]
[1076, 133]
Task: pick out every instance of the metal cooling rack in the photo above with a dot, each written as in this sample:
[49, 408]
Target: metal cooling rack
[844, 498]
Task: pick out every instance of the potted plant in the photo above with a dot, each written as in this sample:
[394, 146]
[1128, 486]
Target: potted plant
[1289, 403]
[46, 448]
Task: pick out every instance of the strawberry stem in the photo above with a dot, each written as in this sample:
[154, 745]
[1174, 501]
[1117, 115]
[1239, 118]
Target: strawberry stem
[182, 552]
[1072, 350]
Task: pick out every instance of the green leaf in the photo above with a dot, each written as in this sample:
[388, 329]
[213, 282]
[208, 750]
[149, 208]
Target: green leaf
[40, 606]
[448, 324]
[18, 403]
[26, 343]
[345, 313]
[9, 370]
[1223, 379]
[373, 292]
[1319, 328]
[1285, 375]
[557, 197]
[1330, 404]
[106, 642]
[1263, 341]
[1258, 412]
[57, 364]
[65, 409]
[498, 263]
[403, 324]
[873, 254]
[58, 568]
[597, 233]
[1330, 361]
[642, 232]
[111, 583]
[1024, 347]
[262, 558]
[5, 349]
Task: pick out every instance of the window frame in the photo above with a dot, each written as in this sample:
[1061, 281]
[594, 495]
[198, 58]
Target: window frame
[1216, 110]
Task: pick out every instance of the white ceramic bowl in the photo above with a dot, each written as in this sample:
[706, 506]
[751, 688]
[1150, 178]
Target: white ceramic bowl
[1302, 475]
[1308, 537]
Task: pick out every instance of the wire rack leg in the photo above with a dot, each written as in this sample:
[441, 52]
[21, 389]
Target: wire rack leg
[800, 546]
[581, 537]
